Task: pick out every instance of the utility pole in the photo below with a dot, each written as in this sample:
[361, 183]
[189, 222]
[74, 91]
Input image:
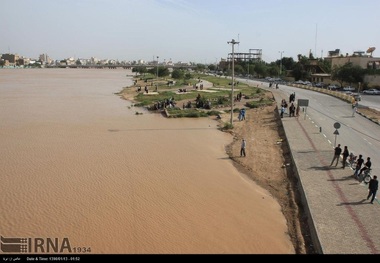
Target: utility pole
[280, 61]
[233, 42]
[157, 67]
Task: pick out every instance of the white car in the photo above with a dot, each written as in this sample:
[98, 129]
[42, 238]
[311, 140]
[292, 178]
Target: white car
[349, 88]
[356, 96]
[372, 91]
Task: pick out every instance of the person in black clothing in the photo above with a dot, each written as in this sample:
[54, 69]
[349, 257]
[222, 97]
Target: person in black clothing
[367, 165]
[242, 149]
[292, 109]
[372, 188]
[359, 163]
[337, 152]
[345, 156]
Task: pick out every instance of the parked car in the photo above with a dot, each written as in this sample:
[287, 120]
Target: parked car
[319, 85]
[332, 87]
[372, 92]
[299, 82]
[307, 83]
[349, 88]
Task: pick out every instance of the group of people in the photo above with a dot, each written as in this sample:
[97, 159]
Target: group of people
[345, 154]
[337, 152]
[166, 103]
[361, 166]
[293, 110]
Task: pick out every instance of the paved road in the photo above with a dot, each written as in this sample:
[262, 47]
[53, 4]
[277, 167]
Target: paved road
[358, 133]
[372, 101]
[342, 221]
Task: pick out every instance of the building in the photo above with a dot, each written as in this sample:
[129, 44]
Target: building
[45, 59]
[10, 59]
[253, 55]
[362, 59]
[358, 58]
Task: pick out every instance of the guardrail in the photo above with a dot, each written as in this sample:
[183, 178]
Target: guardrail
[337, 94]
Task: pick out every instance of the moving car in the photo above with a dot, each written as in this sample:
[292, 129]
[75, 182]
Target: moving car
[372, 92]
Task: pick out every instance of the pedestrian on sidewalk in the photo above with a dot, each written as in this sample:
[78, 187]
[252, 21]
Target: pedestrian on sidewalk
[337, 152]
[359, 163]
[282, 111]
[372, 188]
[354, 108]
[367, 165]
[242, 149]
[345, 156]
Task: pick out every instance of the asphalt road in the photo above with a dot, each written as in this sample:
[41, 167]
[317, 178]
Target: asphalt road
[361, 135]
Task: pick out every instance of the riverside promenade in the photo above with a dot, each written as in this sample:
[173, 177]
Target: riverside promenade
[341, 220]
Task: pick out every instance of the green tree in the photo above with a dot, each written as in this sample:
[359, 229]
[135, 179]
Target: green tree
[348, 73]
[178, 74]
[163, 72]
[300, 69]
[260, 69]
[200, 67]
[273, 69]
[288, 63]
[140, 70]
[212, 67]
[238, 69]
[188, 76]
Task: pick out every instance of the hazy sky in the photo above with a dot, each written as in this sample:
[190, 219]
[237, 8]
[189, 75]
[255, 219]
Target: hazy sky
[186, 30]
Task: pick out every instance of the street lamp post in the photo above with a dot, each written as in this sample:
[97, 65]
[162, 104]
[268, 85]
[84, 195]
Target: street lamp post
[157, 67]
[281, 62]
[233, 42]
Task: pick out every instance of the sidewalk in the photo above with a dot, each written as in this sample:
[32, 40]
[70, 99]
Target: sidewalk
[341, 220]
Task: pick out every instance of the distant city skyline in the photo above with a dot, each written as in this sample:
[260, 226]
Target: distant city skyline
[187, 31]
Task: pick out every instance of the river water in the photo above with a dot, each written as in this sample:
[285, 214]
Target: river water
[76, 162]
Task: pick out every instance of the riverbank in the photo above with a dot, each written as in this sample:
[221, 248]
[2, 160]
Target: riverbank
[266, 161]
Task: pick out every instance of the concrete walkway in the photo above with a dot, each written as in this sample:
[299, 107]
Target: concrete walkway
[342, 221]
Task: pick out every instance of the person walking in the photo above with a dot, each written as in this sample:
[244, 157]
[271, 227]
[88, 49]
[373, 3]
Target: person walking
[240, 115]
[345, 156]
[337, 152]
[354, 108]
[359, 163]
[242, 149]
[372, 188]
[282, 111]
[243, 114]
